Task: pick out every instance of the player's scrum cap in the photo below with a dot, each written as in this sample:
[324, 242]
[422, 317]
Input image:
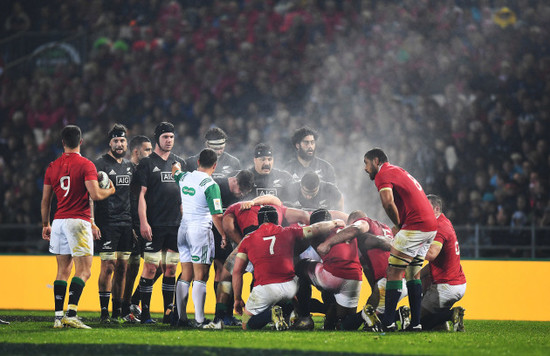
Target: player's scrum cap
[319, 215]
[268, 213]
[163, 127]
[262, 150]
[117, 131]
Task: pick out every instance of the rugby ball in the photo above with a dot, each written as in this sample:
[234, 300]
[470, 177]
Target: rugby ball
[103, 180]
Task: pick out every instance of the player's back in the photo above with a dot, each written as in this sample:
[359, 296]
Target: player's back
[67, 175]
[271, 250]
[415, 211]
[343, 259]
[249, 217]
[446, 267]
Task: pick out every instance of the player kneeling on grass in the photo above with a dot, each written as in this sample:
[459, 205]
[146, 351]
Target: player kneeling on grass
[270, 249]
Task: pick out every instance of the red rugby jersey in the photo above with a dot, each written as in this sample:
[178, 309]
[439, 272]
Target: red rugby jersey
[67, 175]
[271, 250]
[415, 210]
[446, 267]
[342, 260]
[249, 217]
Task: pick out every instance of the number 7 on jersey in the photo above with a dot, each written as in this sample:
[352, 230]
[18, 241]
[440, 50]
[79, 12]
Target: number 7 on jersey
[272, 244]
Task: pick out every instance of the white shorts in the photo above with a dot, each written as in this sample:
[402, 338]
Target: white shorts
[442, 296]
[413, 242]
[382, 289]
[346, 291]
[265, 296]
[72, 237]
[196, 244]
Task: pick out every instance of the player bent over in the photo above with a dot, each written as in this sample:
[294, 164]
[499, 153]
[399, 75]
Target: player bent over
[270, 249]
[73, 179]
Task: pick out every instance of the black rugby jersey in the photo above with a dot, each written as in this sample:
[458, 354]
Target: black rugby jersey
[328, 197]
[276, 183]
[135, 187]
[228, 198]
[163, 194]
[227, 164]
[324, 170]
[115, 210]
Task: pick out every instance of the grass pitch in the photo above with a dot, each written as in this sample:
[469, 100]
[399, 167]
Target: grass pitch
[31, 332]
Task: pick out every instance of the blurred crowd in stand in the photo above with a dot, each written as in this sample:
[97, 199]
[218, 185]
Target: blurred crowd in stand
[456, 92]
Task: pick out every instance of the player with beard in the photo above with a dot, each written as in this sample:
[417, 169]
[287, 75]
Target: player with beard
[140, 147]
[227, 164]
[159, 210]
[268, 180]
[311, 193]
[114, 220]
[414, 229]
[304, 141]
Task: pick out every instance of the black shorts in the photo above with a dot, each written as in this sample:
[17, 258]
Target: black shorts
[115, 238]
[164, 238]
[220, 253]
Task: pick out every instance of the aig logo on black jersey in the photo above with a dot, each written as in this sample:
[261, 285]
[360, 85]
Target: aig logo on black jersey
[166, 177]
[122, 180]
[266, 191]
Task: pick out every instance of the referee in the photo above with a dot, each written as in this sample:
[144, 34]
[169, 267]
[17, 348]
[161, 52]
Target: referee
[159, 210]
[114, 220]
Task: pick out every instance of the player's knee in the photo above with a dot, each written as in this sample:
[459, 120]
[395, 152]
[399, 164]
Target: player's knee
[171, 258]
[397, 262]
[134, 259]
[107, 256]
[413, 270]
[153, 258]
[225, 287]
[123, 255]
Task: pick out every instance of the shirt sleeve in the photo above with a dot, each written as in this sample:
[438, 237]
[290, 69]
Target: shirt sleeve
[90, 171]
[142, 172]
[382, 182]
[213, 197]
[47, 179]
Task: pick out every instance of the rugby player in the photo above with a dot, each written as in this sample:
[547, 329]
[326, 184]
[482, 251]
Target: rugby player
[114, 220]
[304, 141]
[73, 179]
[270, 249]
[414, 229]
[268, 180]
[310, 193]
[159, 210]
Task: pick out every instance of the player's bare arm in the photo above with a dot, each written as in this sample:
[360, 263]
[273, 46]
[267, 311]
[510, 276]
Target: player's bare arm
[338, 214]
[267, 199]
[217, 220]
[95, 230]
[176, 166]
[96, 193]
[386, 197]
[321, 228]
[433, 251]
[346, 234]
[370, 241]
[296, 216]
[145, 228]
[230, 228]
[237, 278]
[45, 206]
